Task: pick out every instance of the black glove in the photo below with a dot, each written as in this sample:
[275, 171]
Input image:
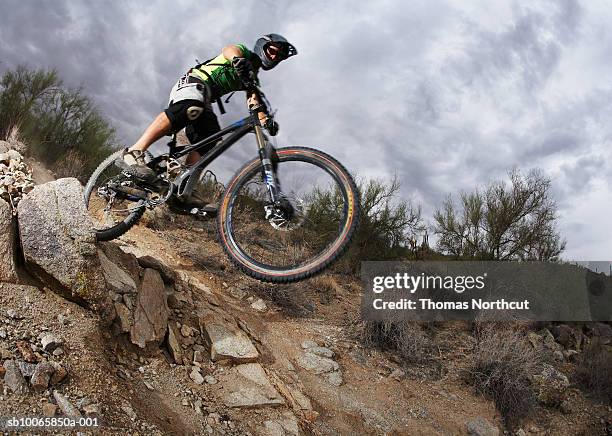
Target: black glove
[271, 126]
[244, 68]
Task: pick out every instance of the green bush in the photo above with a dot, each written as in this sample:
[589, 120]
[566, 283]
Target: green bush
[61, 126]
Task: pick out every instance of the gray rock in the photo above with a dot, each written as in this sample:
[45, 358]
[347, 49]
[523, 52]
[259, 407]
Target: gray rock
[481, 427]
[247, 385]
[334, 378]
[209, 379]
[151, 312]
[50, 342]
[116, 278]
[321, 351]
[66, 406]
[13, 378]
[196, 376]
[550, 386]
[259, 305]
[58, 243]
[309, 344]
[317, 364]
[8, 273]
[41, 377]
[27, 369]
[174, 346]
[227, 341]
[58, 352]
[124, 316]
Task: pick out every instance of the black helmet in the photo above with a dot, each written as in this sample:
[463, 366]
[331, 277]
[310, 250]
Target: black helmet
[288, 50]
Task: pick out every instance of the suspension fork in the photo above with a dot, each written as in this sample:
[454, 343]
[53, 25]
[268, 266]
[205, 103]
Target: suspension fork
[268, 170]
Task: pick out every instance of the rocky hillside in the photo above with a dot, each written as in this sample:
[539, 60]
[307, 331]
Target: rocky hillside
[157, 334]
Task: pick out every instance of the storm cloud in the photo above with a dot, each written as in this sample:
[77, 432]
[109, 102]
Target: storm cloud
[446, 95]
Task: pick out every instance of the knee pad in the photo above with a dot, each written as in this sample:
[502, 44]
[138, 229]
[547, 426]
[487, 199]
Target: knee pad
[183, 112]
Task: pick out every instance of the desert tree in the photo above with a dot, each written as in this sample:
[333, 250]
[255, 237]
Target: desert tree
[515, 221]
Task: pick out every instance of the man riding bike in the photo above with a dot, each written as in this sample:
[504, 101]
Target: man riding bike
[190, 104]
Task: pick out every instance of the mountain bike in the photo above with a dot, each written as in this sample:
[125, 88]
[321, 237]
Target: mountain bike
[284, 216]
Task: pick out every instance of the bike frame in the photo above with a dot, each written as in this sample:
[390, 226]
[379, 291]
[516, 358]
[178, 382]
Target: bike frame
[236, 130]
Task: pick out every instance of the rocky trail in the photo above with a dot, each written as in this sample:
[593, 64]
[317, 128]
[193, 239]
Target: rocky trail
[156, 333]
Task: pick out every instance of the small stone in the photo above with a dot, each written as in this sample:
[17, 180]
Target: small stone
[558, 355]
[322, 351]
[174, 346]
[92, 410]
[66, 406]
[50, 342]
[259, 305]
[63, 319]
[196, 376]
[186, 331]
[12, 314]
[397, 374]
[237, 293]
[83, 402]
[41, 376]
[2, 334]
[27, 369]
[198, 356]
[185, 402]
[58, 352]
[481, 427]
[13, 378]
[49, 409]
[129, 411]
[209, 379]
[59, 374]
[334, 378]
[317, 364]
[149, 385]
[309, 344]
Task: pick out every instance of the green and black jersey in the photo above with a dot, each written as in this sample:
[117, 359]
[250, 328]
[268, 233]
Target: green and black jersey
[220, 74]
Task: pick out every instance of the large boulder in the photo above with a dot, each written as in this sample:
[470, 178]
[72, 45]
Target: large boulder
[58, 243]
[151, 312]
[7, 244]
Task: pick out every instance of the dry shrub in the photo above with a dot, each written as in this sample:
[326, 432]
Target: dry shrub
[72, 164]
[406, 339]
[326, 286]
[594, 370]
[501, 366]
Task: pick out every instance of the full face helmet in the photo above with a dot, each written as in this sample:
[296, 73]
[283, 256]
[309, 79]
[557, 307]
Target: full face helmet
[273, 42]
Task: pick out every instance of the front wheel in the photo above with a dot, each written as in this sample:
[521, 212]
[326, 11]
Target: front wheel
[324, 215]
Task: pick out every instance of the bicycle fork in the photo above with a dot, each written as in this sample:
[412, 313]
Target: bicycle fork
[278, 205]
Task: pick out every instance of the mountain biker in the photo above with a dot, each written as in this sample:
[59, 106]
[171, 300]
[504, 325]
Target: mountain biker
[190, 104]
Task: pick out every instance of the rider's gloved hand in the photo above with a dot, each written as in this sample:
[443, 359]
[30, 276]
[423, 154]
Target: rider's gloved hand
[244, 68]
[272, 126]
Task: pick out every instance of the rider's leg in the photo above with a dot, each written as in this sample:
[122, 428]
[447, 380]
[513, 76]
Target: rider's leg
[160, 127]
[187, 101]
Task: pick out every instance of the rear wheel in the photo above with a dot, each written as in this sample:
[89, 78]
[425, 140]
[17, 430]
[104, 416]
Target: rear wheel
[289, 247]
[114, 202]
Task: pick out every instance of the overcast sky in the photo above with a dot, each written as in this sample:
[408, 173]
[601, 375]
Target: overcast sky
[448, 95]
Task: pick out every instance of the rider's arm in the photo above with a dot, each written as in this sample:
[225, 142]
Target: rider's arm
[229, 53]
[253, 101]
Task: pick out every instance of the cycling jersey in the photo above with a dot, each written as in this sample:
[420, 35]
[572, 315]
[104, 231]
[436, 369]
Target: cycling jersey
[219, 74]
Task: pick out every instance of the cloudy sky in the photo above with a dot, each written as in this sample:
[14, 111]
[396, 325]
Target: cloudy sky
[448, 95]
